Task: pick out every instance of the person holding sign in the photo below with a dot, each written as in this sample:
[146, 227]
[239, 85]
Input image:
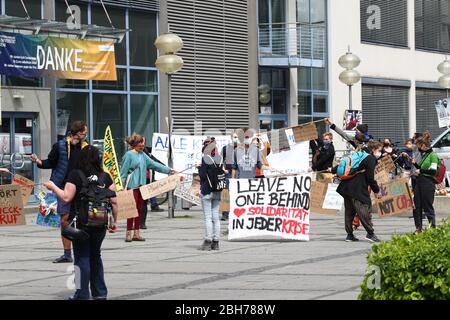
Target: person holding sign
[355, 192]
[324, 153]
[425, 185]
[134, 173]
[92, 218]
[212, 182]
[61, 160]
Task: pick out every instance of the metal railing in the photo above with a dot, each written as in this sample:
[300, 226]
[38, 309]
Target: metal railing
[303, 41]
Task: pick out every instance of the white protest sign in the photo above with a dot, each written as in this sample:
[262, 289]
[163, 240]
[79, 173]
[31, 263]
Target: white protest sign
[333, 200]
[443, 113]
[187, 151]
[270, 207]
[294, 161]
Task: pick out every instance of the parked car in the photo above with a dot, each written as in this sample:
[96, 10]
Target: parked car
[441, 145]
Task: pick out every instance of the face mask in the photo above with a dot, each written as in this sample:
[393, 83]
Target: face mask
[377, 155]
[409, 147]
[236, 140]
[326, 142]
[248, 141]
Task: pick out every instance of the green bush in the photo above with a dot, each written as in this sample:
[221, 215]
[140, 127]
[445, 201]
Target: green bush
[412, 267]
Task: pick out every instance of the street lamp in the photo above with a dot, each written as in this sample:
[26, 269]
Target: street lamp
[349, 76]
[169, 63]
[444, 68]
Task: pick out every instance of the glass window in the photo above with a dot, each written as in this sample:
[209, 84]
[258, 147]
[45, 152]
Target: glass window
[71, 107]
[62, 15]
[304, 103]
[69, 83]
[118, 19]
[120, 84]
[320, 104]
[111, 110]
[144, 115]
[321, 126]
[279, 101]
[143, 35]
[319, 77]
[318, 11]
[304, 78]
[302, 120]
[14, 8]
[303, 11]
[278, 11]
[279, 78]
[22, 81]
[432, 20]
[263, 11]
[144, 80]
[278, 124]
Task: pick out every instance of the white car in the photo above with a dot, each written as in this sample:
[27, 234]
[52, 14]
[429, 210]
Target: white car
[441, 145]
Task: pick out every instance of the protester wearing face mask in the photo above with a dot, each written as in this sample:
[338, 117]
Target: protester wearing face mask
[134, 175]
[228, 161]
[247, 158]
[264, 148]
[425, 185]
[406, 156]
[61, 160]
[355, 192]
[324, 155]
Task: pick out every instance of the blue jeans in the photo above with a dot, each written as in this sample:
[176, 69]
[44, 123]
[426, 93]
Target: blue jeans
[153, 202]
[89, 261]
[211, 203]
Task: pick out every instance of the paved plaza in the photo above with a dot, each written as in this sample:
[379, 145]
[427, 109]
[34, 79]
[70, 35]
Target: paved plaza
[170, 266]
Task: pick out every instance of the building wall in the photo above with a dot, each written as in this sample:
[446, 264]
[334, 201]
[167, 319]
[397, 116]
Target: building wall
[377, 61]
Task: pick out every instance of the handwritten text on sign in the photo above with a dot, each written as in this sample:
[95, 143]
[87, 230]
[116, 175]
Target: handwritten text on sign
[159, 187]
[11, 207]
[26, 185]
[277, 207]
[396, 198]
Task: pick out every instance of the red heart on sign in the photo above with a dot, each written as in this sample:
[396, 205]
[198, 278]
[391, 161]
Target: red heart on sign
[239, 212]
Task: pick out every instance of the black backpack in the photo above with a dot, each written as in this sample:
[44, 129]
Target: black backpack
[215, 175]
[93, 202]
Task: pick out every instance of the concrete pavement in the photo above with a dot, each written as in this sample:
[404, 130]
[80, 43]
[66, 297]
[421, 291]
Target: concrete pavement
[170, 266]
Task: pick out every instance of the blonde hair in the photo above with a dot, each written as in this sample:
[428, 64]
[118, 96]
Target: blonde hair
[328, 134]
[134, 139]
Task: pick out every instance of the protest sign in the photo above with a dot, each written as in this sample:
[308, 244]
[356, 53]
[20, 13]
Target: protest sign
[381, 177]
[385, 163]
[333, 200]
[26, 186]
[396, 198]
[271, 207]
[225, 201]
[156, 188]
[318, 192]
[189, 190]
[294, 161]
[110, 162]
[11, 206]
[305, 132]
[443, 113]
[126, 205]
[279, 140]
[187, 151]
[47, 215]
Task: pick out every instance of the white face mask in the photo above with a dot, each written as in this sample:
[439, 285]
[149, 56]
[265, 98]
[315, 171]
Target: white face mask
[377, 155]
[248, 141]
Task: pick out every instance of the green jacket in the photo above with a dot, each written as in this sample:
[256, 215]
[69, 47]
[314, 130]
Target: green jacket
[429, 164]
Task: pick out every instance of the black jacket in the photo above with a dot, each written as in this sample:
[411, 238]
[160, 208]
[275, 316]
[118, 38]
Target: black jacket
[325, 158]
[357, 187]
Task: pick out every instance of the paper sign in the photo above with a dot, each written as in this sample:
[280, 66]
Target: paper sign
[294, 161]
[396, 198]
[305, 132]
[126, 205]
[156, 188]
[333, 200]
[443, 113]
[110, 162]
[11, 207]
[190, 191]
[275, 207]
[318, 192]
[26, 186]
[278, 140]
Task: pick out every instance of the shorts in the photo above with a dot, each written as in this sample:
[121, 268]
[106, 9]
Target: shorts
[63, 207]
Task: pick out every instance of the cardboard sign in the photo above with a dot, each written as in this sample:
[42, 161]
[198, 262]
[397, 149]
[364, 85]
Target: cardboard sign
[225, 201]
[156, 188]
[26, 186]
[306, 132]
[11, 206]
[126, 205]
[333, 200]
[110, 162]
[318, 192]
[190, 191]
[385, 163]
[381, 177]
[396, 198]
[275, 207]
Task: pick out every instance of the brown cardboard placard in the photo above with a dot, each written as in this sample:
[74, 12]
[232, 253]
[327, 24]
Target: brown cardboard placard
[305, 132]
[225, 201]
[156, 188]
[11, 206]
[382, 177]
[26, 185]
[387, 163]
[396, 198]
[126, 205]
[318, 192]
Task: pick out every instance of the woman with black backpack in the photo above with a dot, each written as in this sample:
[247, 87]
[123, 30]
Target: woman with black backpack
[91, 193]
[212, 181]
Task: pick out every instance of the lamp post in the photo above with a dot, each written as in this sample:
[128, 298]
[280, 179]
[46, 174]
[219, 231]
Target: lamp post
[169, 63]
[349, 76]
[444, 68]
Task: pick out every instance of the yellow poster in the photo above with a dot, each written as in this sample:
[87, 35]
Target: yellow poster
[110, 163]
